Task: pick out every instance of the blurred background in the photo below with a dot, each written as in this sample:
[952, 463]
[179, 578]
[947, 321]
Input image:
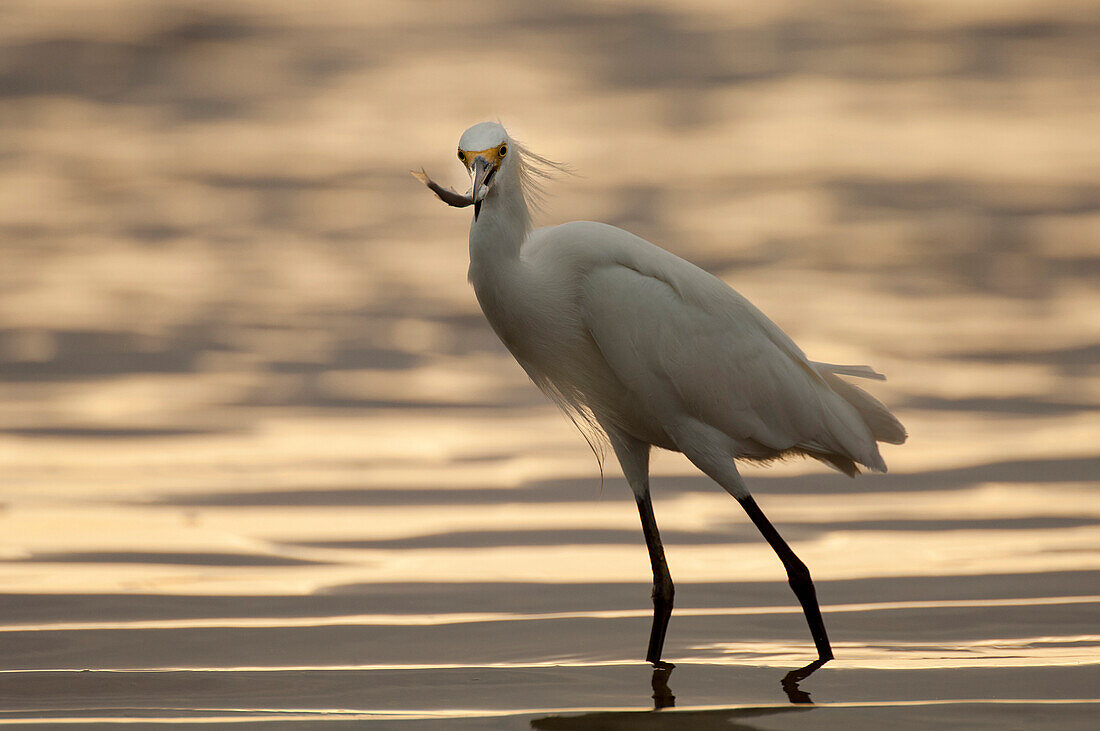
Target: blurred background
[239, 357]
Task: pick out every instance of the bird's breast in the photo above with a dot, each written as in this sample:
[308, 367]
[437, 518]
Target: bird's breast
[526, 320]
[538, 319]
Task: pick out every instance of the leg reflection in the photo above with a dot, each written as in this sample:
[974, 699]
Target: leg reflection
[662, 694]
[792, 679]
[721, 718]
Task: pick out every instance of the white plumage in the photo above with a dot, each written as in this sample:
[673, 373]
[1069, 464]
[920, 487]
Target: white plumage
[644, 348]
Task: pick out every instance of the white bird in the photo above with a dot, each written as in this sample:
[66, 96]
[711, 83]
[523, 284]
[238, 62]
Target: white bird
[643, 349]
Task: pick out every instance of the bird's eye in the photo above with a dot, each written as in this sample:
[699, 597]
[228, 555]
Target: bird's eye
[503, 150]
[462, 156]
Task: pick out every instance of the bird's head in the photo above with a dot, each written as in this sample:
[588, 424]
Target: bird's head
[484, 150]
[490, 154]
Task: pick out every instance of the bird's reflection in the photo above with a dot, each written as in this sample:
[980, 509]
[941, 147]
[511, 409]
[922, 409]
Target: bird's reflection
[725, 718]
[664, 698]
[662, 694]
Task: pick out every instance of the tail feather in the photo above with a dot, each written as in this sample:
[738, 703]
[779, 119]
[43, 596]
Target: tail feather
[839, 462]
[857, 371]
[884, 426]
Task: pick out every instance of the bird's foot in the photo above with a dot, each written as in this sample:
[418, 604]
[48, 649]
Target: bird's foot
[791, 680]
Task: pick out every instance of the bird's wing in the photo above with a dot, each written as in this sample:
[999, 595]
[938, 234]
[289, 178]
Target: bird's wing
[683, 340]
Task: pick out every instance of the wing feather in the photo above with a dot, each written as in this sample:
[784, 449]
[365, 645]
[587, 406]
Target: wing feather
[682, 339]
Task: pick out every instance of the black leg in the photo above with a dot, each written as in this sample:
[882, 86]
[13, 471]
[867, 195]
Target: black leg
[797, 575]
[634, 457]
[663, 590]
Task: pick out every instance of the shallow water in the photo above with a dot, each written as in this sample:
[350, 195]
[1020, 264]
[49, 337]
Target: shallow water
[263, 460]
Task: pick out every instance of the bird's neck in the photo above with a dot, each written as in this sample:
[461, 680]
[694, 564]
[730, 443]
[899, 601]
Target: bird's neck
[498, 232]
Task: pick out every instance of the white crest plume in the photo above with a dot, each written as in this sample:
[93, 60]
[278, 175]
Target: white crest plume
[535, 171]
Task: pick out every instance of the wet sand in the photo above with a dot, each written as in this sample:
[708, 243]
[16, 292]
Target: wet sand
[261, 460]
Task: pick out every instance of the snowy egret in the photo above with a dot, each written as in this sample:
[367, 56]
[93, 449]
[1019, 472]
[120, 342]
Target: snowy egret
[643, 349]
